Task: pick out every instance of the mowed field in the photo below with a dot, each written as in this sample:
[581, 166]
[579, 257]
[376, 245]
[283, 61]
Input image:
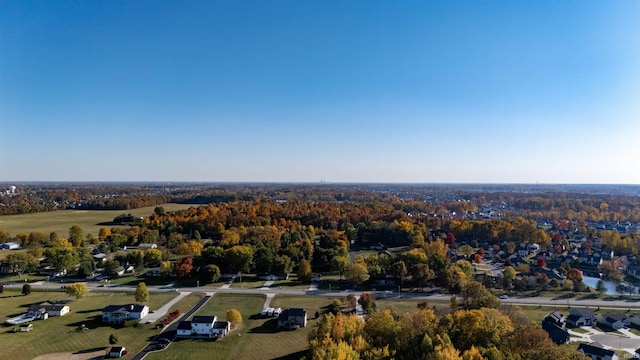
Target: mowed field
[59, 334]
[258, 338]
[60, 221]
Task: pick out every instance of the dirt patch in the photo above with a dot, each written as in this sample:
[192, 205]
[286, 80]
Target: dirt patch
[94, 355]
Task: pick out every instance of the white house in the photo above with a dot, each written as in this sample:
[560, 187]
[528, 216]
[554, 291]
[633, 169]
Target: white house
[221, 328]
[202, 325]
[614, 321]
[116, 314]
[144, 246]
[49, 309]
[581, 317]
[184, 328]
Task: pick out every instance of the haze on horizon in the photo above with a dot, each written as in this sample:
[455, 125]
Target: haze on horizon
[303, 91]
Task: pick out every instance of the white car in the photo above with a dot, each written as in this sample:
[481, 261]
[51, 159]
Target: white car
[503, 297]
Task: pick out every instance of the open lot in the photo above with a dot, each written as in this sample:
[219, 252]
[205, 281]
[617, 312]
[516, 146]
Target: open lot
[59, 334]
[60, 221]
[258, 338]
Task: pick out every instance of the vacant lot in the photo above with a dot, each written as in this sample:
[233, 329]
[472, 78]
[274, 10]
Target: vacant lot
[59, 334]
[258, 338]
[60, 221]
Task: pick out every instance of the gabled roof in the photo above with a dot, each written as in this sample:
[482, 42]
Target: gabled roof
[595, 349]
[555, 316]
[615, 317]
[203, 319]
[124, 308]
[220, 324]
[184, 325]
[583, 311]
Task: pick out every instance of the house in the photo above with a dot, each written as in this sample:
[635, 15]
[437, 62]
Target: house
[184, 328]
[26, 327]
[554, 325]
[145, 246]
[44, 310]
[292, 318]
[117, 314]
[12, 245]
[202, 325]
[117, 352]
[120, 270]
[100, 257]
[614, 321]
[597, 352]
[581, 317]
[221, 328]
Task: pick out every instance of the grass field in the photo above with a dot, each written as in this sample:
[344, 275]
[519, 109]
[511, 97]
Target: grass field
[60, 221]
[258, 338]
[58, 334]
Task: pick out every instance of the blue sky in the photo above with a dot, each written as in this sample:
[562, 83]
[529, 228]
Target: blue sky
[341, 91]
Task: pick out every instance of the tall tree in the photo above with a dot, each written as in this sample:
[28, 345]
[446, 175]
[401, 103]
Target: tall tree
[77, 290]
[75, 235]
[142, 293]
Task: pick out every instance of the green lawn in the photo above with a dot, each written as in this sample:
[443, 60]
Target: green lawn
[258, 338]
[247, 281]
[60, 221]
[58, 334]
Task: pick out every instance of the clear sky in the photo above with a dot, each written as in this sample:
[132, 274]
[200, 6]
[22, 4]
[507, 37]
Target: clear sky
[341, 91]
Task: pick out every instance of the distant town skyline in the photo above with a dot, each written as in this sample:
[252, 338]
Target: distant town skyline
[305, 91]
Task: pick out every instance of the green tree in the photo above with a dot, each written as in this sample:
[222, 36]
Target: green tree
[358, 273]
[212, 273]
[340, 264]
[113, 339]
[77, 290]
[239, 258]
[62, 258]
[75, 236]
[142, 293]
[26, 289]
[152, 256]
[508, 275]
[21, 263]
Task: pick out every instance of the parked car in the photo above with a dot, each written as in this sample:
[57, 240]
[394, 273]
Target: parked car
[503, 297]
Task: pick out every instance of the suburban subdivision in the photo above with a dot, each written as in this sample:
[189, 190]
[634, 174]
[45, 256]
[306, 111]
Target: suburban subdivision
[362, 273]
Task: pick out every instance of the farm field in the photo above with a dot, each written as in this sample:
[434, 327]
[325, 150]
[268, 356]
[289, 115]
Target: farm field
[59, 334]
[60, 221]
[258, 338]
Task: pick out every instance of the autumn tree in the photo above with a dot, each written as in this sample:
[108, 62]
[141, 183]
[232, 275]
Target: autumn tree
[234, 317]
[304, 271]
[77, 290]
[367, 302]
[142, 293]
[358, 273]
[152, 256]
[184, 267]
[190, 248]
[239, 258]
[103, 233]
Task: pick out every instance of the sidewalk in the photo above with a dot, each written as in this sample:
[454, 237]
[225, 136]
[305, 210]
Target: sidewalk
[159, 313]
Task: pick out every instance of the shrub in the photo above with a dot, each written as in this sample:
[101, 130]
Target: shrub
[26, 289]
[113, 339]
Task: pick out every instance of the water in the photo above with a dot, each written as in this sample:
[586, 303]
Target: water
[608, 284]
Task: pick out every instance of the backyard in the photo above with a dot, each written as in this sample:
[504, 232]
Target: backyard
[60, 334]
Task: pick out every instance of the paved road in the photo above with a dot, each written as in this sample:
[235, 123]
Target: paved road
[630, 303]
[169, 332]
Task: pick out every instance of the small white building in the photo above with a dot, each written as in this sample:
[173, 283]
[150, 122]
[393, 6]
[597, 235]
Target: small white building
[145, 246]
[12, 245]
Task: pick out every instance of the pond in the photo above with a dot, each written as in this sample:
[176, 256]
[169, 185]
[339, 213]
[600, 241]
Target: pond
[608, 284]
